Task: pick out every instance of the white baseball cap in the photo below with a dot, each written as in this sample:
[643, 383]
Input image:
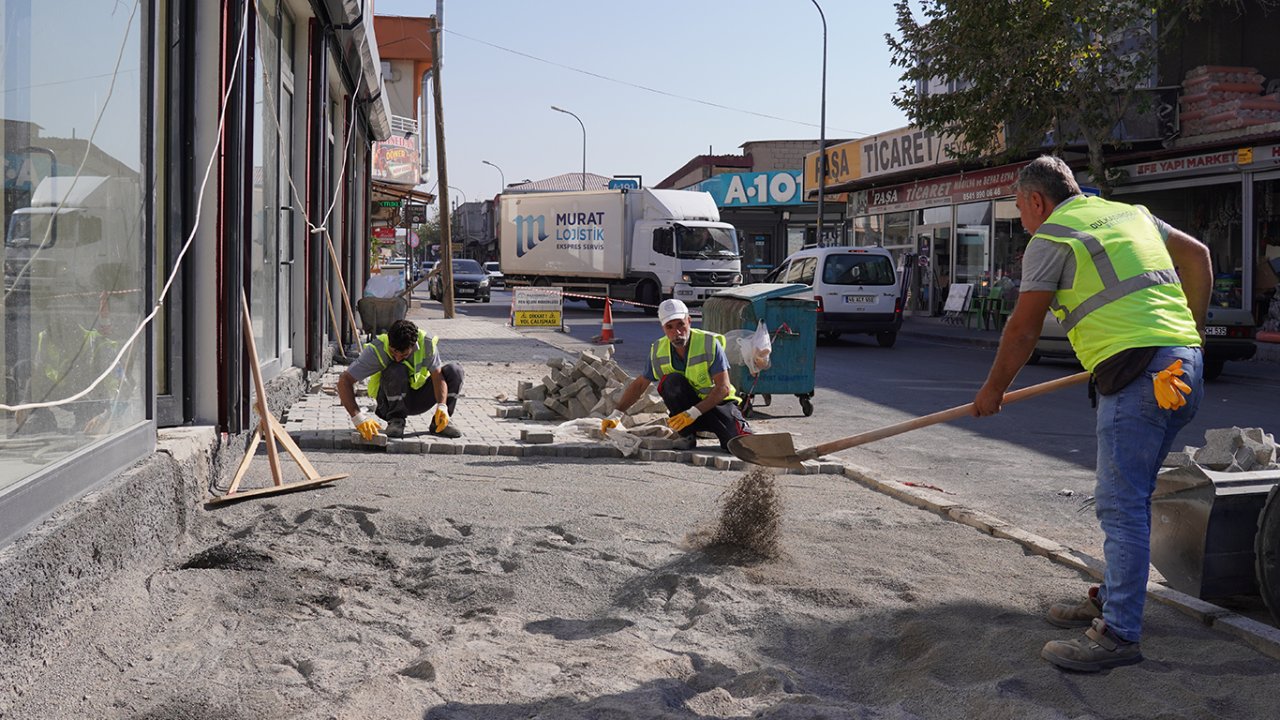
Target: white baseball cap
[671, 310]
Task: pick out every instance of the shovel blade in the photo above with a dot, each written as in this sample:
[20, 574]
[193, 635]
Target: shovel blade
[768, 449]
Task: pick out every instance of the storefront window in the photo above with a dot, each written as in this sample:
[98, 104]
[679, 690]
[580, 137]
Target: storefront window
[1266, 252]
[897, 235]
[1212, 214]
[973, 235]
[264, 246]
[868, 230]
[1009, 242]
[71, 74]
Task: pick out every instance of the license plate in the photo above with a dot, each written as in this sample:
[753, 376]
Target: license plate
[1215, 330]
[859, 298]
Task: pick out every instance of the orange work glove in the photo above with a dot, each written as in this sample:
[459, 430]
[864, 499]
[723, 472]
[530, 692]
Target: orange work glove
[1171, 391]
[684, 419]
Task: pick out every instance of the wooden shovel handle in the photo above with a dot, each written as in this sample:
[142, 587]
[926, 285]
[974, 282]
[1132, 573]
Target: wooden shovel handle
[935, 418]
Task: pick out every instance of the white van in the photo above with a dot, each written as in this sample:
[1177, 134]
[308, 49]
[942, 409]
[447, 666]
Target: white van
[856, 289]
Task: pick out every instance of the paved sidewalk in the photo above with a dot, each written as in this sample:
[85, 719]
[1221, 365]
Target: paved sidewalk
[495, 358]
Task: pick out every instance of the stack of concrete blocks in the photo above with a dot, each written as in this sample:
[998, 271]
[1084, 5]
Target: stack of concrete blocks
[589, 386]
[1230, 450]
[1220, 98]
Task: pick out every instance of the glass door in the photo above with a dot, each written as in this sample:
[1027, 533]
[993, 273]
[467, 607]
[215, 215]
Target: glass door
[971, 256]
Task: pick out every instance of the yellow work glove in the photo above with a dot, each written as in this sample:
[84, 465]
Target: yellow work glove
[441, 417]
[684, 419]
[369, 427]
[611, 422]
[1170, 391]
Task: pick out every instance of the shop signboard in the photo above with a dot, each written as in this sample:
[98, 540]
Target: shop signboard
[757, 189]
[895, 152]
[383, 232]
[948, 190]
[395, 160]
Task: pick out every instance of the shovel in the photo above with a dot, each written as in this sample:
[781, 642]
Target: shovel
[779, 450]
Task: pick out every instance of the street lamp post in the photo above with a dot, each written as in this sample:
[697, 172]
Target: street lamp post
[500, 173]
[822, 127]
[584, 143]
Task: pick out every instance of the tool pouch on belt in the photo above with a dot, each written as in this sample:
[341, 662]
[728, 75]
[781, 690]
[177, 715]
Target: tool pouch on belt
[1171, 391]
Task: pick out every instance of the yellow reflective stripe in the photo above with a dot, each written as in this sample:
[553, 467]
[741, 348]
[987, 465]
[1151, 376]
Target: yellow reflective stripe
[1115, 292]
[1101, 261]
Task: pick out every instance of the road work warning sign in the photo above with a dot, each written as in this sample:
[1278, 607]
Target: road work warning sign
[537, 307]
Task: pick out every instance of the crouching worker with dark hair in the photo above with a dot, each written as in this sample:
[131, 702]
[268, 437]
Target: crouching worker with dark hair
[399, 363]
[692, 373]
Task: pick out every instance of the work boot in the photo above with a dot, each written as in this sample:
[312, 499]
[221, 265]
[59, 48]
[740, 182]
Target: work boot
[1099, 649]
[449, 432]
[395, 428]
[1074, 615]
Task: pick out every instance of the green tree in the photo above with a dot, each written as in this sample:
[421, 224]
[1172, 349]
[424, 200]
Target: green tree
[1031, 73]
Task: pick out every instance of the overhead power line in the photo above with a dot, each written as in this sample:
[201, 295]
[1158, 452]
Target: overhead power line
[645, 87]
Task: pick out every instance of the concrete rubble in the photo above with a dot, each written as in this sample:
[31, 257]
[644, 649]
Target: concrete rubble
[588, 385]
[1230, 450]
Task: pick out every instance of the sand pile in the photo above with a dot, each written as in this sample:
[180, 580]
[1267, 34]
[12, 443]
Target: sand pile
[450, 587]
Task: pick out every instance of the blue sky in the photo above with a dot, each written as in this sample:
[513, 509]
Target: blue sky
[758, 56]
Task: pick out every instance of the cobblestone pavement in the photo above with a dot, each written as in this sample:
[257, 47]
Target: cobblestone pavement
[495, 358]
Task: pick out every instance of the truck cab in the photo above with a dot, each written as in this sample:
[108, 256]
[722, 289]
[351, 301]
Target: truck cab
[699, 257]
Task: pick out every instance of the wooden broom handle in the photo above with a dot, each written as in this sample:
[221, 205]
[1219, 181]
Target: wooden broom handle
[938, 417]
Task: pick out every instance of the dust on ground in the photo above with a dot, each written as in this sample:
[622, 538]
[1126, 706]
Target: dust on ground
[500, 588]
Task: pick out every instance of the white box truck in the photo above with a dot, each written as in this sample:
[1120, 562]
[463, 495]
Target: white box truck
[642, 245]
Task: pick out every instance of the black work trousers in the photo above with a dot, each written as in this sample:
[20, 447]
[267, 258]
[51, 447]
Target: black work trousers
[725, 419]
[397, 401]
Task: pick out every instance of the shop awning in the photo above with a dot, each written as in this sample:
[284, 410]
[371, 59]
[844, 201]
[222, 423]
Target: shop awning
[402, 192]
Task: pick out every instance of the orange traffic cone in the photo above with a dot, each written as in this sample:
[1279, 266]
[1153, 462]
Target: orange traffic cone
[606, 328]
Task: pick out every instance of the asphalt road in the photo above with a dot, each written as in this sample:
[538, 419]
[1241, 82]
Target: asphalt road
[1032, 464]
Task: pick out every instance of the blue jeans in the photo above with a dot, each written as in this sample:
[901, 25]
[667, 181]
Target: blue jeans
[1134, 435]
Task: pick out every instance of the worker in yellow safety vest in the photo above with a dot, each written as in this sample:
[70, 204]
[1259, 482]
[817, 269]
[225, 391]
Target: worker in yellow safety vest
[692, 372]
[406, 378]
[1132, 293]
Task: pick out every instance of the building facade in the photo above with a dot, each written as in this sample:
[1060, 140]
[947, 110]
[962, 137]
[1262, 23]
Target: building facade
[169, 165]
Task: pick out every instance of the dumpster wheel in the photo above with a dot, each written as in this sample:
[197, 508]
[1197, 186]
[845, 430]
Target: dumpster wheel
[806, 404]
[1267, 552]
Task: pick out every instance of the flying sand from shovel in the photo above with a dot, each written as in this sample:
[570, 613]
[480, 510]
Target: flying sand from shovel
[779, 450]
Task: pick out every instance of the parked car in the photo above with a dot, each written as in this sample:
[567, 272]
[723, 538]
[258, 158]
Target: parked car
[1228, 336]
[496, 278]
[856, 289]
[470, 282]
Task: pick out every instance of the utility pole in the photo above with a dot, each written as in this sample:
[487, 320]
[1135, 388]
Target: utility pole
[446, 236]
[822, 130]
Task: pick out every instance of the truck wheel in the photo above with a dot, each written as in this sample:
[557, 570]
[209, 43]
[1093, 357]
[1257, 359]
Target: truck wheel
[648, 296]
[595, 303]
[886, 339]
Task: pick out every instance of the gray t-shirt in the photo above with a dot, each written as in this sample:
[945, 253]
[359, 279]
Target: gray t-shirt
[1049, 265]
[367, 364]
[719, 364]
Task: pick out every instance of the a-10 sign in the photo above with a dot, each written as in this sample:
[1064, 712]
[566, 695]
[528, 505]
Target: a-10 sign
[779, 187]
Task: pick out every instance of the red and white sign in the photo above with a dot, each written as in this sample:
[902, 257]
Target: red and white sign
[947, 190]
[384, 232]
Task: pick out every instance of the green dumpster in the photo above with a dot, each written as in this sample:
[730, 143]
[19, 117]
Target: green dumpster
[791, 315]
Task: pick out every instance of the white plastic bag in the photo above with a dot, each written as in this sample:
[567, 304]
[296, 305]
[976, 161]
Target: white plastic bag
[749, 348]
[758, 350]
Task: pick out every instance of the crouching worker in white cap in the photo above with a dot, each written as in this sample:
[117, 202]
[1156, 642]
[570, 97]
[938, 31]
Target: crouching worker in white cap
[405, 378]
[692, 372]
